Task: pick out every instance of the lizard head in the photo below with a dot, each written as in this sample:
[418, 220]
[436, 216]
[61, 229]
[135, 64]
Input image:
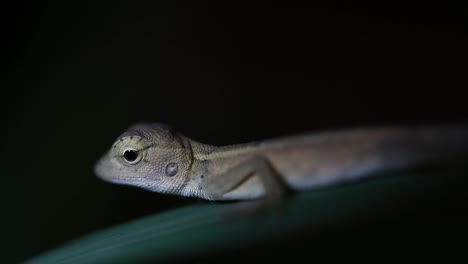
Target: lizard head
[150, 156]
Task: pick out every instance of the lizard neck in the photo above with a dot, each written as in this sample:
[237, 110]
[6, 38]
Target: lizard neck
[206, 152]
[208, 161]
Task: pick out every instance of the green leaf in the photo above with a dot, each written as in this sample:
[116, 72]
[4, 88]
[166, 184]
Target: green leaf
[203, 229]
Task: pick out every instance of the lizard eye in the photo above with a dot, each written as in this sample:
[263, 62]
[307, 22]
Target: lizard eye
[131, 156]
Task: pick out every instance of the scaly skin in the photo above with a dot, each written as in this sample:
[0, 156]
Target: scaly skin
[154, 157]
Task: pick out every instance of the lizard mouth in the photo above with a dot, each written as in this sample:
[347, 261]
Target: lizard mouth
[128, 180]
[141, 182]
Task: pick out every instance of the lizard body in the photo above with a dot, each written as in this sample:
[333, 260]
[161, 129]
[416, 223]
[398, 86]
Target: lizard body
[155, 157]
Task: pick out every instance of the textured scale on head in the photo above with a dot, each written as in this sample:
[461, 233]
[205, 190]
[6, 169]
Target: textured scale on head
[150, 156]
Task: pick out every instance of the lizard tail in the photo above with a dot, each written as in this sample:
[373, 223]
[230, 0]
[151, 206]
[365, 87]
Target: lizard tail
[358, 154]
[426, 146]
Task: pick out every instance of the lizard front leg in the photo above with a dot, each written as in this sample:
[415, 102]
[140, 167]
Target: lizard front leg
[274, 185]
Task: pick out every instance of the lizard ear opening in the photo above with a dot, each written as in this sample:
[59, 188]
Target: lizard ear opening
[171, 169]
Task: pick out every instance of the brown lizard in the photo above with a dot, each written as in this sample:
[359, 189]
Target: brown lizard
[155, 157]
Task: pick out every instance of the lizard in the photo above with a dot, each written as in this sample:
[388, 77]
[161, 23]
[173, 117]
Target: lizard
[156, 157]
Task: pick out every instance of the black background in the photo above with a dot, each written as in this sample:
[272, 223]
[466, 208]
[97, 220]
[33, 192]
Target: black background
[77, 75]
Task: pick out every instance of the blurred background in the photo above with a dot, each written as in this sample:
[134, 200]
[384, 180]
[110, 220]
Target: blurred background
[78, 74]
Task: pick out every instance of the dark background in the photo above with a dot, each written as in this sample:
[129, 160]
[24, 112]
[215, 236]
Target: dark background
[77, 75]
